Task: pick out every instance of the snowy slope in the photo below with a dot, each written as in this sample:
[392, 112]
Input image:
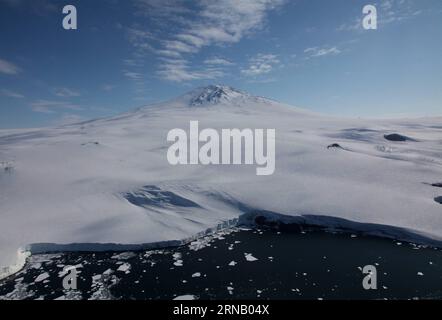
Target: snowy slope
[108, 181]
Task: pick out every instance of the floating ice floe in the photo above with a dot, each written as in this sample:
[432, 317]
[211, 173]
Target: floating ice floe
[186, 297]
[42, 277]
[249, 257]
[125, 267]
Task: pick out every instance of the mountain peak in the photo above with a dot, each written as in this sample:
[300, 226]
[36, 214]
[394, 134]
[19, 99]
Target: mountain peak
[215, 94]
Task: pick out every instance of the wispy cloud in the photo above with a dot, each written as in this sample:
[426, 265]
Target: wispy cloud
[316, 52]
[194, 26]
[140, 39]
[354, 25]
[133, 75]
[11, 94]
[228, 21]
[260, 64]
[218, 62]
[50, 106]
[66, 93]
[180, 70]
[396, 11]
[9, 68]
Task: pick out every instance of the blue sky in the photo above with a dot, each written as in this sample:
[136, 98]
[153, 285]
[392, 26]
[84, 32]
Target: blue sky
[127, 53]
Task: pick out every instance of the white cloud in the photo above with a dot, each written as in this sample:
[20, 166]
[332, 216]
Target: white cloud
[227, 21]
[260, 64]
[11, 94]
[66, 93]
[186, 27]
[218, 61]
[133, 75]
[179, 46]
[179, 70]
[168, 53]
[192, 40]
[387, 4]
[140, 39]
[9, 68]
[355, 25]
[316, 52]
[391, 11]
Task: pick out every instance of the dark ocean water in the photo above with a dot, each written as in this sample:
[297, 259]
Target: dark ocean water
[241, 264]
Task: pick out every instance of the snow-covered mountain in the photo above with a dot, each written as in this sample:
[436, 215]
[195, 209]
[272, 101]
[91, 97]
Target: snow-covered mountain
[96, 184]
[216, 94]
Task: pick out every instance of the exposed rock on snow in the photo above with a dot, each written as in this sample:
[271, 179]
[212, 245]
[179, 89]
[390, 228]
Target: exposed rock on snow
[397, 137]
[151, 196]
[334, 146]
[215, 94]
